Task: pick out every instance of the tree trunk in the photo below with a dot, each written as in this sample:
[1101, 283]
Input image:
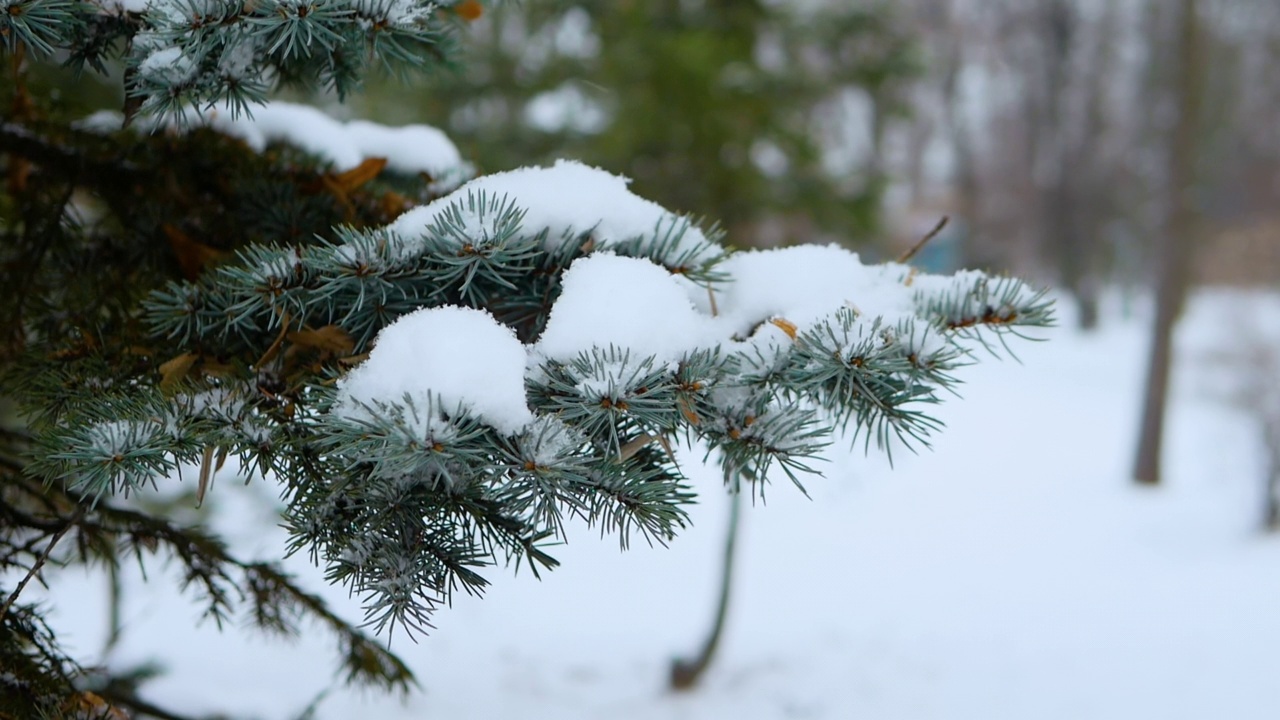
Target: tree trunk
[1094, 185]
[1061, 149]
[1271, 506]
[1177, 242]
[685, 674]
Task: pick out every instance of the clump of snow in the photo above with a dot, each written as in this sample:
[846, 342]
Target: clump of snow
[168, 65]
[447, 357]
[629, 303]
[923, 340]
[114, 438]
[394, 12]
[612, 378]
[806, 283]
[118, 7]
[216, 401]
[237, 60]
[305, 127]
[409, 149]
[568, 198]
[547, 440]
[101, 122]
[998, 296]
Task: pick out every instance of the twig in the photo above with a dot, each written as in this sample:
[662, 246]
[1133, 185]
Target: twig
[39, 563]
[906, 256]
[686, 673]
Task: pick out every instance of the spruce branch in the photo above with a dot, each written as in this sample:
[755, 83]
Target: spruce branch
[42, 25]
[408, 495]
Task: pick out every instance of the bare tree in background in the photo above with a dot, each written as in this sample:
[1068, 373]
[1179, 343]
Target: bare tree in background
[1176, 245]
[1058, 157]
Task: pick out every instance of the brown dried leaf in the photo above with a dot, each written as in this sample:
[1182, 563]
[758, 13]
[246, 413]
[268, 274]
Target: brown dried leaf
[360, 174]
[353, 360]
[206, 475]
[786, 326]
[393, 204]
[688, 411]
[173, 371]
[329, 338]
[193, 256]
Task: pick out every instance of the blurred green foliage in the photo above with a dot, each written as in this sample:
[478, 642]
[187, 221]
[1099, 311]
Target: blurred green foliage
[723, 108]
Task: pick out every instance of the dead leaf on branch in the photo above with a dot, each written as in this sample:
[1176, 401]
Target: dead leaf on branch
[174, 371]
[357, 176]
[330, 338]
[193, 256]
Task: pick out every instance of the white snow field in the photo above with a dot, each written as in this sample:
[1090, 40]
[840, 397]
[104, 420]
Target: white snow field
[1013, 571]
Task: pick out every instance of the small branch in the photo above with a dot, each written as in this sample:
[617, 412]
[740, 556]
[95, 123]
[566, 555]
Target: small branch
[40, 561]
[906, 256]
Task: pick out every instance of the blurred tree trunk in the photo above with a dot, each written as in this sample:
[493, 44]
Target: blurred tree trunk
[1176, 246]
[964, 174]
[685, 673]
[1271, 440]
[1092, 185]
[1059, 207]
[1067, 146]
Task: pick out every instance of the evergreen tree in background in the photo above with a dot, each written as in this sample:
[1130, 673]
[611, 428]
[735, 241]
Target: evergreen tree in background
[436, 378]
[734, 110]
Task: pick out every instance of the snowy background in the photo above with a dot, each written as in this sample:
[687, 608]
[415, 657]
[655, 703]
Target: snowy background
[1013, 571]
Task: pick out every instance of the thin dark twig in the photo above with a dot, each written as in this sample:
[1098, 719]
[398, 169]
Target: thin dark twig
[40, 561]
[686, 673]
[906, 256]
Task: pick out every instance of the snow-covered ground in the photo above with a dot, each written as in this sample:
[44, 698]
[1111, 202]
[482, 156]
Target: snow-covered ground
[1012, 572]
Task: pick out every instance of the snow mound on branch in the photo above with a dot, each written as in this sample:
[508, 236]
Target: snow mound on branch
[409, 149]
[629, 303]
[568, 198]
[169, 65]
[806, 283]
[459, 357]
